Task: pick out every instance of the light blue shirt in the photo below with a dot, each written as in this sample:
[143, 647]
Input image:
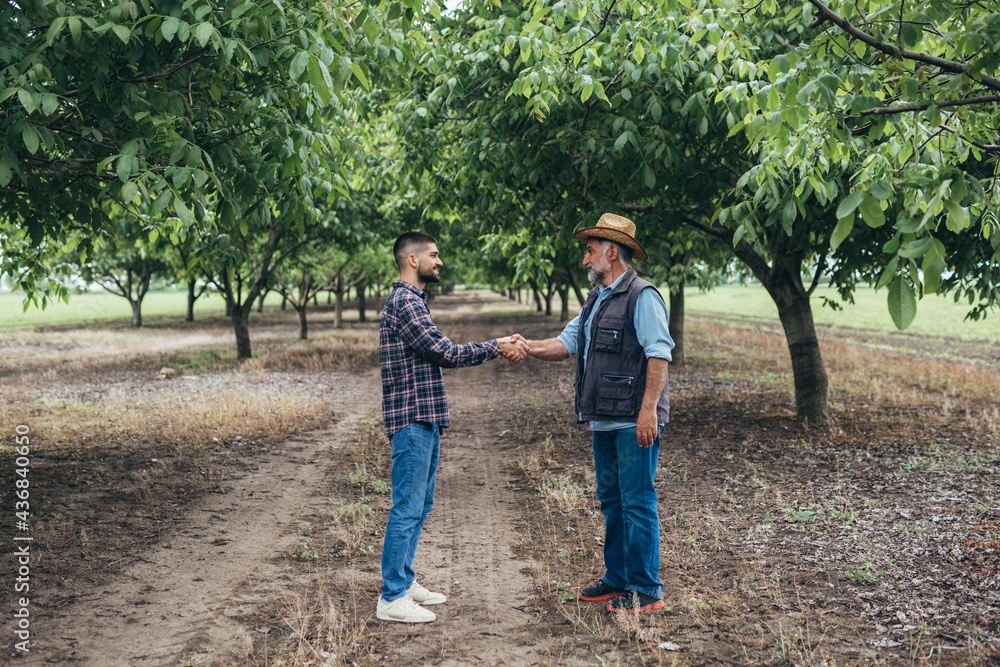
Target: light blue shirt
[653, 334]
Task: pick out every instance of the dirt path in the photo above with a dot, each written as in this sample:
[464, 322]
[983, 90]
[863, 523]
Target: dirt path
[174, 605]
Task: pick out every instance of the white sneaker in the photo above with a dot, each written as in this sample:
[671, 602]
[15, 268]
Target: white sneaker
[403, 610]
[424, 596]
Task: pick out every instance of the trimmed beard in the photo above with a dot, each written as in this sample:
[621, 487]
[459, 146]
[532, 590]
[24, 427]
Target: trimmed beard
[426, 275]
[596, 273]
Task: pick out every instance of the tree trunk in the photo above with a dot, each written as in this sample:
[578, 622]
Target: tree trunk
[284, 301]
[260, 301]
[329, 297]
[534, 291]
[564, 297]
[229, 309]
[303, 325]
[136, 312]
[676, 324]
[575, 282]
[362, 304]
[338, 309]
[189, 317]
[808, 370]
[240, 316]
[549, 291]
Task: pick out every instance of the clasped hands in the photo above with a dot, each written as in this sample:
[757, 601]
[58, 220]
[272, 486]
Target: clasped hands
[514, 348]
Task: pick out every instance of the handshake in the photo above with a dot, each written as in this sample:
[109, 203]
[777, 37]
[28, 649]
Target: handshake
[514, 348]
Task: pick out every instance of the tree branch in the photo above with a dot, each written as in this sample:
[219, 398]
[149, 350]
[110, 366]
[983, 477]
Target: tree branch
[907, 108]
[897, 52]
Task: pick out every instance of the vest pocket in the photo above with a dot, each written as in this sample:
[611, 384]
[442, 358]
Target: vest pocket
[610, 332]
[615, 395]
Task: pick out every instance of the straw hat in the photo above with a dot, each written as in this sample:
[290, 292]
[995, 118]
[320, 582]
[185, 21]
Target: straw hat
[614, 228]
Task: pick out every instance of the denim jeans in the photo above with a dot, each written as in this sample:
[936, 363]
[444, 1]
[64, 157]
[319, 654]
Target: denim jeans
[415, 451]
[625, 473]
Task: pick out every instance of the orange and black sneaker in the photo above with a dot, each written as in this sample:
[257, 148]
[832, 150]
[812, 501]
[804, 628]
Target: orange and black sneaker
[600, 591]
[633, 602]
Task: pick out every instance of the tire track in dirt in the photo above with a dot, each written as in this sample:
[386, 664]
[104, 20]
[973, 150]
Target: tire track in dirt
[177, 603]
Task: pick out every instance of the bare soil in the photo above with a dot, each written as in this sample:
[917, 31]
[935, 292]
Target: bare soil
[873, 541]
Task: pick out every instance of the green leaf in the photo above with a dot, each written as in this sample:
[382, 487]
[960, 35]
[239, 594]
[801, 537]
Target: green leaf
[871, 212]
[888, 274]
[124, 167]
[842, 231]
[649, 176]
[75, 29]
[788, 213]
[916, 248]
[49, 103]
[912, 34]
[621, 140]
[586, 93]
[244, 227]
[27, 100]
[298, 65]
[957, 218]
[849, 203]
[160, 203]
[639, 53]
[183, 212]
[359, 74]
[371, 30]
[123, 33]
[933, 267]
[902, 303]
[129, 191]
[29, 135]
[203, 33]
[153, 235]
[169, 28]
[54, 29]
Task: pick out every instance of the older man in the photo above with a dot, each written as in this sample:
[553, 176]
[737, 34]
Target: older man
[622, 345]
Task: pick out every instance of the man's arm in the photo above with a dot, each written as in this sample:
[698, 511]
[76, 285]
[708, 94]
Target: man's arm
[550, 349]
[646, 425]
[418, 332]
[554, 349]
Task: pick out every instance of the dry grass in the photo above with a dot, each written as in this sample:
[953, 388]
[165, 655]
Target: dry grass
[322, 635]
[874, 377]
[75, 388]
[239, 407]
[348, 350]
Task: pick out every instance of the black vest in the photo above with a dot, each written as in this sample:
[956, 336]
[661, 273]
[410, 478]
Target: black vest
[612, 387]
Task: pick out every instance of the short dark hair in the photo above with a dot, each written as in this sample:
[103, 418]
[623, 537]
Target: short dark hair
[406, 243]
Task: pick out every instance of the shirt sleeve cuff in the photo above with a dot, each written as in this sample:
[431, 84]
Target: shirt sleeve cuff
[568, 343]
[493, 348]
[659, 351]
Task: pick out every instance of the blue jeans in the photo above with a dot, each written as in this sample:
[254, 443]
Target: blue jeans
[414, 468]
[625, 473]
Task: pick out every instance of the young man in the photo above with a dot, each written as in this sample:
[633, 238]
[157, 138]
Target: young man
[622, 345]
[412, 352]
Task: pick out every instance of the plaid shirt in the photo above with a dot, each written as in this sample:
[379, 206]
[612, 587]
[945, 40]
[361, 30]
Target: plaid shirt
[412, 352]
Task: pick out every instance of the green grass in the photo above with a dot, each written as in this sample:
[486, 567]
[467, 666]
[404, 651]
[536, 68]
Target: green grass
[936, 315]
[105, 307]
